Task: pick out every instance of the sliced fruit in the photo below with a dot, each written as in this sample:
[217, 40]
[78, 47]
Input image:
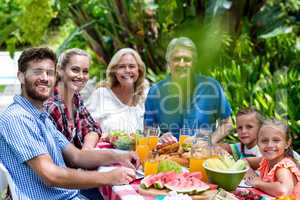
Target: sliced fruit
[169, 165]
[227, 160]
[238, 165]
[216, 163]
[159, 185]
[148, 181]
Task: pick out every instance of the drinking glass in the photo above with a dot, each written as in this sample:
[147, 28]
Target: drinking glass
[185, 133]
[151, 167]
[153, 136]
[142, 147]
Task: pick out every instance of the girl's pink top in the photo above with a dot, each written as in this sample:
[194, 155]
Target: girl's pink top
[269, 175]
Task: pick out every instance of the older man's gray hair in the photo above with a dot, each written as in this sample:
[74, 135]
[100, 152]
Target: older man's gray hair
[181, 43]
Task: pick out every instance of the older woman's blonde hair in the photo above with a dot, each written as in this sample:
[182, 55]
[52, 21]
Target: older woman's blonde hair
[111, 80]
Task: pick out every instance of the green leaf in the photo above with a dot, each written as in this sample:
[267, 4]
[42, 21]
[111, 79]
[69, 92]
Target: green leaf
[276, 32]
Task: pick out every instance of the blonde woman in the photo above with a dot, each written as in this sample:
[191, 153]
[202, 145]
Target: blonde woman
[118, 104]
[66, 106]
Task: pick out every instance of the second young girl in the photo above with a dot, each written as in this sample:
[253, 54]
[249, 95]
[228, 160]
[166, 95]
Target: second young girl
[279, 174]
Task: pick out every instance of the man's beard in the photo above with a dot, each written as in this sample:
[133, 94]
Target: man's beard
[32, 93]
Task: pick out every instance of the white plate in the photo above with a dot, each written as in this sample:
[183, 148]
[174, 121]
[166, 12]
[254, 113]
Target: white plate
[244, 184]
[138, 173]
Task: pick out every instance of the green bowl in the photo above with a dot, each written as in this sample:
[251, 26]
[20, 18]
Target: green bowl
[228, 180]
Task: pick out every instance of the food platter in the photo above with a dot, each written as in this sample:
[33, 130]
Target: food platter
[155, 192]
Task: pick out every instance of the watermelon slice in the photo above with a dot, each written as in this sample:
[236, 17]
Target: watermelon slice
[187, 184]
[159, 185]
[148, 181]
[197, 175]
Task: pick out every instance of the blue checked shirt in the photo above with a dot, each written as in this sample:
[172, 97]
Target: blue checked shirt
[26, 133]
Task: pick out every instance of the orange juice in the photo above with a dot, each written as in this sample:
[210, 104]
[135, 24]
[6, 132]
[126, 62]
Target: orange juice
[196, 165]
[143, 151]
[182, 138]
[152, 142]
[142, 141]
[150, 167]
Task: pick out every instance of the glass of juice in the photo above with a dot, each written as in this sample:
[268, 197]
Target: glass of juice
[153, 136]
[184, 134]
[143, 151]
[150, 167]
[142, 147]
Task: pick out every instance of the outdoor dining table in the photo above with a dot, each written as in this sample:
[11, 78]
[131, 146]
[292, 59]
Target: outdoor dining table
[130, 191]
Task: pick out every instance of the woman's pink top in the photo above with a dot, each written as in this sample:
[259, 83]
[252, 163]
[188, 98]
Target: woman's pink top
[269, 175]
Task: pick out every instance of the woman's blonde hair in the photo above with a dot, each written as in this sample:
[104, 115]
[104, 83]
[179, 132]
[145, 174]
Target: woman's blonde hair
[65, 58]
[112, 81]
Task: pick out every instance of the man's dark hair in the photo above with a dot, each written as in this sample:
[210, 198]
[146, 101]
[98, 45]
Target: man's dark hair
[35, 54]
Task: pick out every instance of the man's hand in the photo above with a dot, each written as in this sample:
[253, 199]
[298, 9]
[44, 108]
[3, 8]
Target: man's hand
[128, 159]
[121, 176]
[168, 138]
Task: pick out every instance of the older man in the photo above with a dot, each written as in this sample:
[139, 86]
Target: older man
[186, 99]
[33, 150]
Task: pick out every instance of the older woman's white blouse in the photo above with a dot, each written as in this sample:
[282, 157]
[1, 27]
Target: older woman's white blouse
[112, 114]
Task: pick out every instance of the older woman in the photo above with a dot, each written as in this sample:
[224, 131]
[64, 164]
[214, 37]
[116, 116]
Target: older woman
[186, 99]
[119, 103]
[66, 107]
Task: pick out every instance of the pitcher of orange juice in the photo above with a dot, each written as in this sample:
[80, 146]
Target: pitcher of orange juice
[201, 150]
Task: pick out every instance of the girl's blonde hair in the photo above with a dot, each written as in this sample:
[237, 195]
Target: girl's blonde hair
[65, 58]
[283, 128]
[112, 81]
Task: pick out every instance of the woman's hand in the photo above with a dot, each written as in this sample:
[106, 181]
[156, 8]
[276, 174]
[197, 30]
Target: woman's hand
[128, 159]
[121, 176]
[105, 137]
[168, 138]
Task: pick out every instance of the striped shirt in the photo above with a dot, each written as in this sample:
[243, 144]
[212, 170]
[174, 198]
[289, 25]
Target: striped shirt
[26, 133]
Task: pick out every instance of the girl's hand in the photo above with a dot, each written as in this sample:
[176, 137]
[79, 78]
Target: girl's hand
[251, 178]
[167, 138]
[253, 181]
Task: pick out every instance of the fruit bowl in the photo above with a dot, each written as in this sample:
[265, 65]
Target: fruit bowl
[122, 140]
[228, 180]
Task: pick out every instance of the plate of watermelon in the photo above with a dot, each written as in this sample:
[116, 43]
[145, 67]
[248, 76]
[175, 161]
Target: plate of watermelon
[185, 182]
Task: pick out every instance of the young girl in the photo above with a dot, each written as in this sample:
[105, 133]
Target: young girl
[248, 123]
[279, 174]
